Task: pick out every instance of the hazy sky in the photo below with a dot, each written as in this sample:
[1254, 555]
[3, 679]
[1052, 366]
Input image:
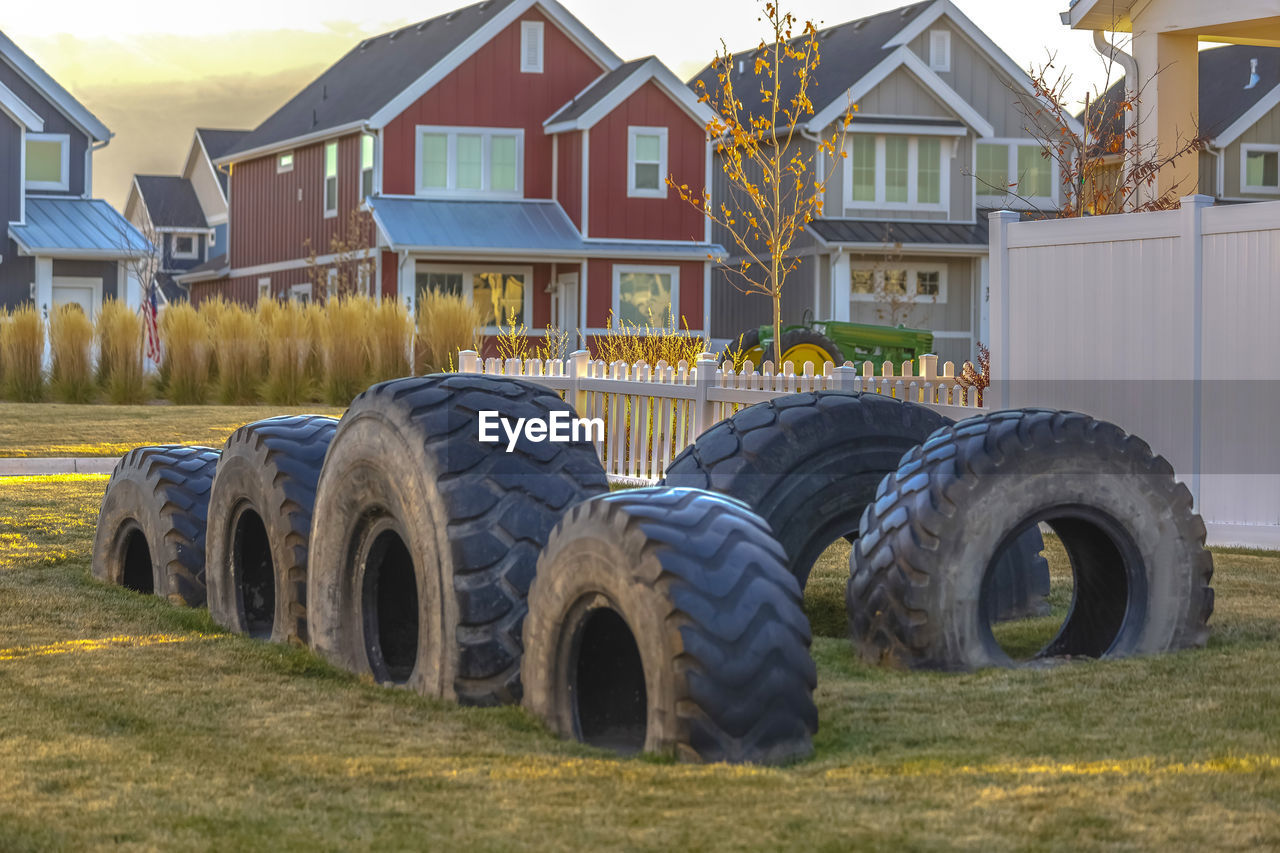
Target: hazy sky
[153, 70]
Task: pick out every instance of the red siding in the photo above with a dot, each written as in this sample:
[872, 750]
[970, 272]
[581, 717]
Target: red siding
[488, 90]
[610, 212]
[569, 175]
[390, 274]
[270, 221]
[600, 289]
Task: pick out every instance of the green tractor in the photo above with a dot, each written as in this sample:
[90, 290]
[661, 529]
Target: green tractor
[836, 341]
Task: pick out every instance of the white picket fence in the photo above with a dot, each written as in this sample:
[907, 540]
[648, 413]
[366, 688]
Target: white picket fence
[651, 414]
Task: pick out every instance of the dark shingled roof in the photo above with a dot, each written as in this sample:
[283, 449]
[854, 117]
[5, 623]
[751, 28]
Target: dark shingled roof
[912, 233]
[1224, 73]
[218, 263]
[171, 202]
[597, 91]
[848, 52]
[370, 76]
[217, 141]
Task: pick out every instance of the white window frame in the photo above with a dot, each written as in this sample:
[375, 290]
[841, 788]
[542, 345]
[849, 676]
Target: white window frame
[173, 246]
[469, 271]
[913, 270]
[370, 140]
[284, 162]
[940, 38]
[451, 147]
[1008, 198]
[297, 292]
[330, 212]
[621, 269]
[59, 186]
[331, 283]
[1255, 148]
[946, 150]
[632, 190]
[264, 288]
[528, 65]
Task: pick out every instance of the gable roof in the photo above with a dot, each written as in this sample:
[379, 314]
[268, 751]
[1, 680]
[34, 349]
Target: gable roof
[381, 76]
[217, 141]
[613, 87]
[58, 96]
[1227, 109]
[14, 107]
[171, 201]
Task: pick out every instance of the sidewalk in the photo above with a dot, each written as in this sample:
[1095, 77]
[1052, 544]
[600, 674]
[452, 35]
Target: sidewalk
[30, 466]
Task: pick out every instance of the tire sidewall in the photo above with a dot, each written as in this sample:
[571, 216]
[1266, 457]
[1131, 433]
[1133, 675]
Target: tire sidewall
[129, 504]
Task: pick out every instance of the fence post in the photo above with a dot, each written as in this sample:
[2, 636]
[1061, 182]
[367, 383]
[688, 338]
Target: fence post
[578, 361]
[929, 373]
[845, 377]
[1192, 238]
[706, 372]
[469, 361]
[998, 312]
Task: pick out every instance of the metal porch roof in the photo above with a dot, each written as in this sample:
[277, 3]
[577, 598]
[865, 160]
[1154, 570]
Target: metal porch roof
[77, 228]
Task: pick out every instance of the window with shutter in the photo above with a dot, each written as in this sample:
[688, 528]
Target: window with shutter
[531, 47]
[940, 50]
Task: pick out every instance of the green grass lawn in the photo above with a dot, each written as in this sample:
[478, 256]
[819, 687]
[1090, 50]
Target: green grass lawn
[127, 722]
[59, 429]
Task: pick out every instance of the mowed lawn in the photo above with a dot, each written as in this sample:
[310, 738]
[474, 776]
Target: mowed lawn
[127, 722]
[59, 429]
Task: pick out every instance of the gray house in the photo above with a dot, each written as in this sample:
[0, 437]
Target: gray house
[62, 245]
[938, 141]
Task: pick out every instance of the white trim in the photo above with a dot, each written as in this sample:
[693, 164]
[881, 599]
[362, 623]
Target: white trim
[1007, 199]
[708, 182]
[451, 134]
[291, 143]
[174, 237]
[646, 269]
[16, 109]
[899, 58]
[586, 181]
[330, 213]
[22, 172]
[469, 271]
[643, 192]
[913, 270]
[961, 22]
[264, 287]
[650, 69]
[59, 97]
[706, 296]
[94, 283]
[531, 64]
[61, 186]
[908, 129]
[555, 168]
[281, 166]
[372, 168]
[940, 50]
[943, 205]
[213, 170]
[1245, 151]
[1237, 128]
[302, 292]
[566, 22]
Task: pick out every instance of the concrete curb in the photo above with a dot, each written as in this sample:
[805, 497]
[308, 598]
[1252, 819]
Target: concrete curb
[34, 466]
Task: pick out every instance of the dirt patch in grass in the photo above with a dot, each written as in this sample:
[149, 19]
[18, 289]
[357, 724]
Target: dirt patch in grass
[153, 729]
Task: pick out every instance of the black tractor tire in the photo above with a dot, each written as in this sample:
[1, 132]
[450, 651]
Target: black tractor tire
[796, 337]
[425, 538]
[260, 516]
[918, 592]
[665, 620]
[151, 528]
[748, 340]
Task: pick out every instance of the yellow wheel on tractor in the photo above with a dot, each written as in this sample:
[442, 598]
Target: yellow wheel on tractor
[749, 343]
[805, 346]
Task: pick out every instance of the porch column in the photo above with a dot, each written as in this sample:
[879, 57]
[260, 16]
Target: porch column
[1169, 80]
[841, 284]
[128, 288]
[44, 299]
[406, 285]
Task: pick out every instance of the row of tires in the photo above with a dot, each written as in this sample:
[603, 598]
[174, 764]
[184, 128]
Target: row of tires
[669, 619]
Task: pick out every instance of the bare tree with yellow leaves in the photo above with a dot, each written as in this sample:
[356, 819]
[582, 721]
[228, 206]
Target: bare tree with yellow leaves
[774, 187]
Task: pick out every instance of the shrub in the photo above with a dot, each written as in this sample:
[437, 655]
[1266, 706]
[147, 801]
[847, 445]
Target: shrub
[120, 345]
[344, 350]
[238, 343]
[22, 342]
[211, 310]
[289, 349]
[447, 323]
[71, 342]
[632, 342]
[389, 337]
[185, 335]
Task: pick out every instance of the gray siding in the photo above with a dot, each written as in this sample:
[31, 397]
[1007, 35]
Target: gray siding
[720, 189]
[733, 312]
[900, 94]
[1266, 132]
[961, 189]
[956, 314]
[105, 270]
[54, 122]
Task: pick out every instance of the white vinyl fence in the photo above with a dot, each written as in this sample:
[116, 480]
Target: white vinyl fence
[1167, 324]
[651, 414]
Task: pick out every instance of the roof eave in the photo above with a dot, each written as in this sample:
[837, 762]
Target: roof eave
[292, 143]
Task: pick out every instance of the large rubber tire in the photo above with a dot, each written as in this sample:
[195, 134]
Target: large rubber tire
[917, 593]
[809, 340]
[260, 514]
[807, 463]
[151, 528]
[426, 539]
[665, 619]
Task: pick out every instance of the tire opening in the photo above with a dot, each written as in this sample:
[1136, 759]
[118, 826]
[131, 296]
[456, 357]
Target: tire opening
[390, 598]
[1091, 567]
[255, 575]
[610, 706]
[137, 574]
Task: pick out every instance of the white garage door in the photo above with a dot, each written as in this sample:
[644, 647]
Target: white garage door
[85, 292]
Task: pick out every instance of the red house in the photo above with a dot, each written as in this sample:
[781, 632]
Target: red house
[500, 151]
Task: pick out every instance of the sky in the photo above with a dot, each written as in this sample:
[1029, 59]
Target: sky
[153, 70]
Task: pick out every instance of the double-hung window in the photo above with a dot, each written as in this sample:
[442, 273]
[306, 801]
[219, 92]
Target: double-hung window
[1260, 168]
[897, 172]
[48, 161]
[331, 179]
[470, 161]
[891, 282]
[646, 295]
[646, 162]
[184, 246]
[501, 293]
[1014, 167]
